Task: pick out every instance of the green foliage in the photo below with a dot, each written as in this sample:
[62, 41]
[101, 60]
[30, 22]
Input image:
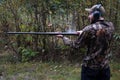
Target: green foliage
[116, 47]
[116, 36]
[27, 54]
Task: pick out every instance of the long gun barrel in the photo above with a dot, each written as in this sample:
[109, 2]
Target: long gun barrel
[45, 33]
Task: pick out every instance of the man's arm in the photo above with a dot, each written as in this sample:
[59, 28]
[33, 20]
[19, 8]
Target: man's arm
[77, 43]
[80, 40]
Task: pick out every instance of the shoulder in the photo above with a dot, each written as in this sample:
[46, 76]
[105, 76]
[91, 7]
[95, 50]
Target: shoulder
[88, 31]
[89, 27]
[110, 25]
[92, 27]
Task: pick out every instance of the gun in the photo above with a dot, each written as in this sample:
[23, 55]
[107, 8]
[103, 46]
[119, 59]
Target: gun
[45, 33]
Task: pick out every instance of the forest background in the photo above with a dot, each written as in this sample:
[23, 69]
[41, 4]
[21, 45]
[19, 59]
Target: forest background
[50, 16]
[44, 57]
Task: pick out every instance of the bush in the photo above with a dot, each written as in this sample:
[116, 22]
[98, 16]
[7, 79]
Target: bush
[27, 54]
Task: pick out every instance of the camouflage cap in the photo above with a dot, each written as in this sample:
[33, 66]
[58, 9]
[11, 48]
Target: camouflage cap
[98, 7]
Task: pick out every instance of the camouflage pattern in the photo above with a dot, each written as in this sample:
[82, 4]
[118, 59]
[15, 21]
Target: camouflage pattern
[97, 38]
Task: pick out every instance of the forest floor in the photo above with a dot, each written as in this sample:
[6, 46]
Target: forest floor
[45, 70]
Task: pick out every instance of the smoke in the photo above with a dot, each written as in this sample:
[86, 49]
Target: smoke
[70, 29]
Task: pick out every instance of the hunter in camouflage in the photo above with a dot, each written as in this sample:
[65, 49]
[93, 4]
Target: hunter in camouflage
[97, 38]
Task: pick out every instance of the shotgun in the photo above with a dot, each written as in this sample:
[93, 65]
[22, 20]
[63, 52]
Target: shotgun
[45, 33]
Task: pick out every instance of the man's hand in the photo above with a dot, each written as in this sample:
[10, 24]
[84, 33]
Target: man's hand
[79, 32]
[60, 36]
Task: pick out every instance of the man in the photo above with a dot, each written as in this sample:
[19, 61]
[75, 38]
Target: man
[97, 38]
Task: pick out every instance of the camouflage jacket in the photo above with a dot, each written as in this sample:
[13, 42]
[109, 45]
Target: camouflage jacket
[97, 38]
